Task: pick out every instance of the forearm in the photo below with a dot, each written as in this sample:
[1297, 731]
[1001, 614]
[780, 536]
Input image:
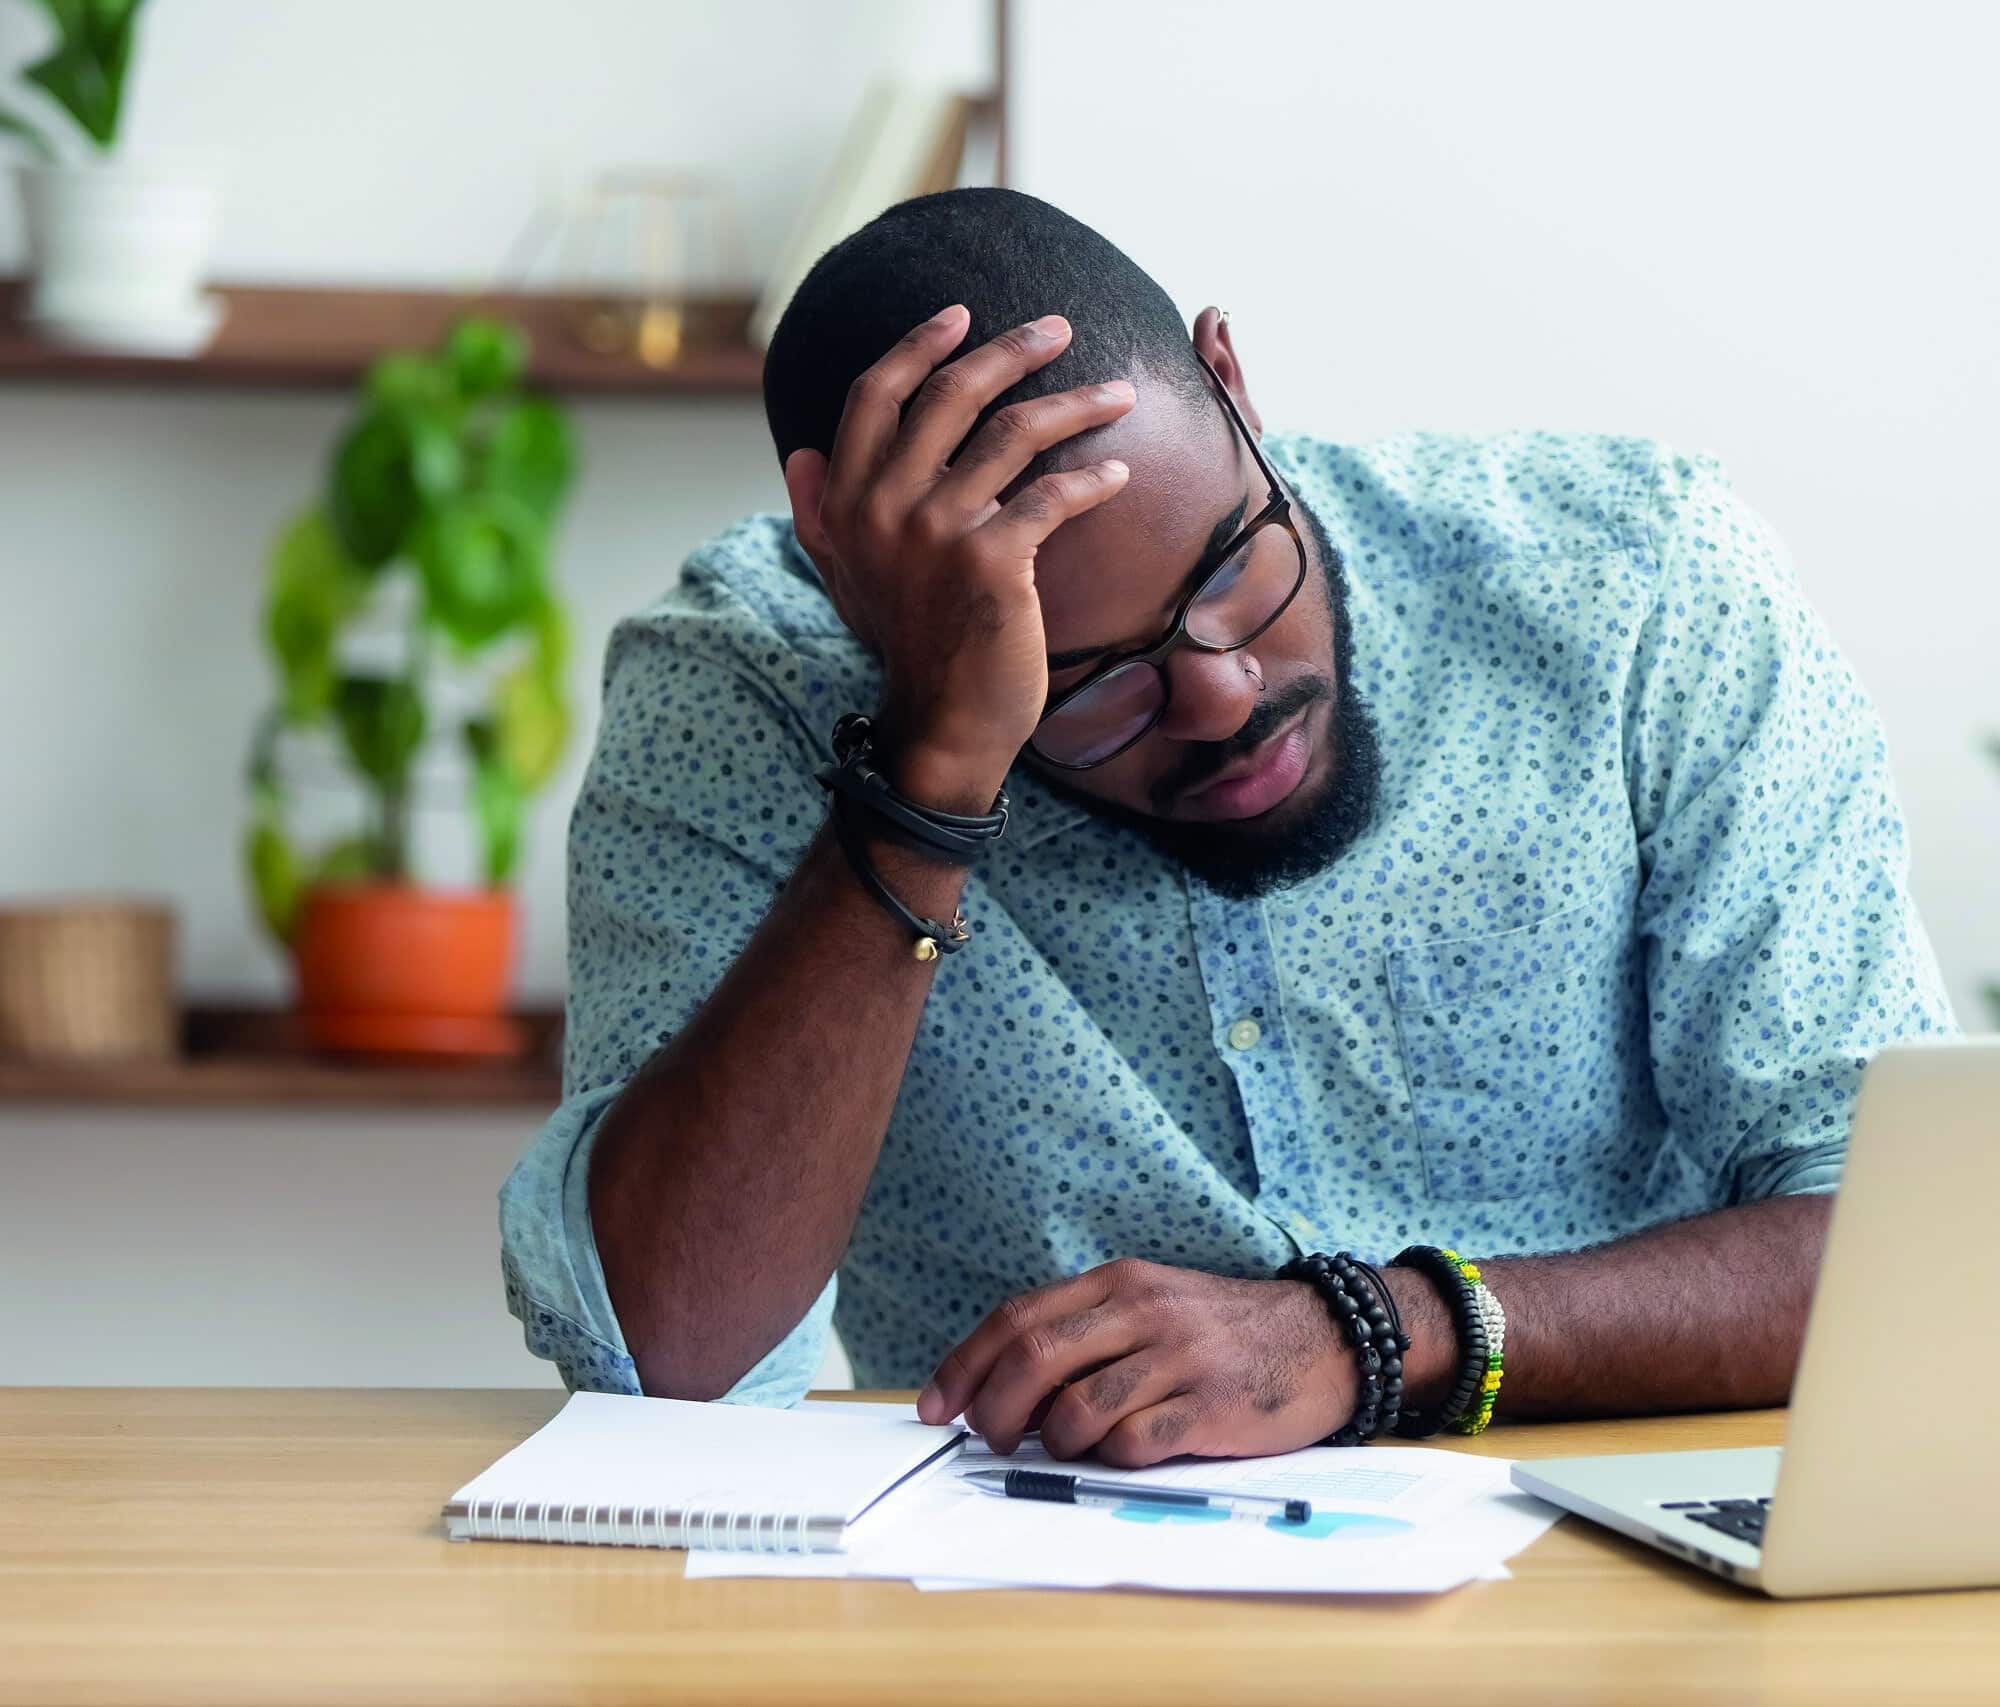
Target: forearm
[1704, 1314]
[725, 1180]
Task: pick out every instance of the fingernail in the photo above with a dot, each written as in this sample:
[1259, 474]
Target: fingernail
[1116, 469]
[1115, 391]
[928, 1396]
[944, 314]
[1050, 326]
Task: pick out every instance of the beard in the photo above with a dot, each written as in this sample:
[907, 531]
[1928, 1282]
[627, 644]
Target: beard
[1303, 835]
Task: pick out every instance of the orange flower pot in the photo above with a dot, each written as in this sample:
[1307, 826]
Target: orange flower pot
[387, 968]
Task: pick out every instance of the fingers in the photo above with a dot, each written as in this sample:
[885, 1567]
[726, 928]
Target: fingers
[950, 400]
[1089, 1408]
[1042, 506]
[870, 422]
[966, 1366]
[1039, 1362]
[1014, 437]
[1149, 1436]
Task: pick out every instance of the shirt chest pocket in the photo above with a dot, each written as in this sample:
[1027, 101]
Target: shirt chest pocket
[1511, 1046]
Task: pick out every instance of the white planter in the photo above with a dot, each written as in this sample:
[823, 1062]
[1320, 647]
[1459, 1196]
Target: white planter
[116, 250]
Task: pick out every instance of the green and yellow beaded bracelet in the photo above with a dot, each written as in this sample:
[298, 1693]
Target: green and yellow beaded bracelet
[1494, 1319]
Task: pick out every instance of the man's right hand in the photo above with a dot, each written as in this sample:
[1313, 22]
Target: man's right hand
[926, 565]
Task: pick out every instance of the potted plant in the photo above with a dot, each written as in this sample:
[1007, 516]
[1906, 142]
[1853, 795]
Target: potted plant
[116, 243]
[412, 625]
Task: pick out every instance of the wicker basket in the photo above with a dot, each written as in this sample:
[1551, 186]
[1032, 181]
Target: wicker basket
[87, 981]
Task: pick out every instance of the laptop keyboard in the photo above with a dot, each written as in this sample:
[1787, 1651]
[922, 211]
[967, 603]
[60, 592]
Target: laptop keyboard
[1743, 1520]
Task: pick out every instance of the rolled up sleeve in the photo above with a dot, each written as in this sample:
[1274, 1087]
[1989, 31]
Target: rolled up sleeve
[697, 804]
[1782, 947]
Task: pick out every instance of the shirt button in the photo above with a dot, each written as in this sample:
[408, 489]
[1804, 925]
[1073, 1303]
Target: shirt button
[1244, 1034]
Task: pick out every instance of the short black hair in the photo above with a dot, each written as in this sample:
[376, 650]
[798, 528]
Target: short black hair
[1010, 258]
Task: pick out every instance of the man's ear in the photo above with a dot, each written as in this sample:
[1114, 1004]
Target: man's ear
[1211, 338]
[805, 485]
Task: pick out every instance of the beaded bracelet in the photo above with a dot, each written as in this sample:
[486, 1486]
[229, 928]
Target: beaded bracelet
[1370, 1329]
[1494, 1319]
[1442, 1270]
[1392, 1355]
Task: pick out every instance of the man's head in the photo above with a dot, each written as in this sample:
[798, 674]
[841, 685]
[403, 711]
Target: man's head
[1262, 767]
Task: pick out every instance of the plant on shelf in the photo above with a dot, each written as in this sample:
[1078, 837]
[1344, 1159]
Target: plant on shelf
[116, 244]
[83, 74]
[429, 547]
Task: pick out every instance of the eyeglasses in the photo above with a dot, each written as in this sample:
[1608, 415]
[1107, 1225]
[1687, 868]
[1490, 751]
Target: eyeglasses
[1253, 579]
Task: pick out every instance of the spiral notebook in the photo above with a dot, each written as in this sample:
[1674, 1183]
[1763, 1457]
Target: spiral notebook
[621, 1472]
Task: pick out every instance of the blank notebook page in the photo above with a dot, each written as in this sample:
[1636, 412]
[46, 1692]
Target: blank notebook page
[666, 1472]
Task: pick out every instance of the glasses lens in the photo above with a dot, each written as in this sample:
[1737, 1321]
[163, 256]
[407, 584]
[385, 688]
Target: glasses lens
[1248, 589]
[1105, 718]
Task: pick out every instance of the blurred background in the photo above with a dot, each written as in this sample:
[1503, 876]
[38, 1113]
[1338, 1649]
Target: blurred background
[277, 613]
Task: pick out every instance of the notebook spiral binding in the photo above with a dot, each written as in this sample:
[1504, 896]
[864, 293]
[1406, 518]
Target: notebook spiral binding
[710, 1527]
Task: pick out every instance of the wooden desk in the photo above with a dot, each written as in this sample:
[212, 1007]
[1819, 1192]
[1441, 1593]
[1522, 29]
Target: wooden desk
[278, 1545]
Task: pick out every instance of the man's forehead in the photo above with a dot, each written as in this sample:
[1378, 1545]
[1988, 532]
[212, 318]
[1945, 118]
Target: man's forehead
[1122, 558]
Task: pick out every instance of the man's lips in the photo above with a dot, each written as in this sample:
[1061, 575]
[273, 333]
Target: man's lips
[1257, 781]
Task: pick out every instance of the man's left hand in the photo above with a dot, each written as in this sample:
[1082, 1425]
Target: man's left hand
[1143, 1362]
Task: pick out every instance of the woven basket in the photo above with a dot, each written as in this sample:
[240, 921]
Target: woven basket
[87, 981]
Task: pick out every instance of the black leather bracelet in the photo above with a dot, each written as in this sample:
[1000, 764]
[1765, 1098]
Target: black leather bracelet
[1467, 1328]
[932, 938]
[955, 837]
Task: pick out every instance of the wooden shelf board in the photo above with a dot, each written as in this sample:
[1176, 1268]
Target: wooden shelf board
[285, 338]
[247, 1057]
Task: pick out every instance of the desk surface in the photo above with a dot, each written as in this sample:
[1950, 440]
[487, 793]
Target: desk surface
[213, 1545]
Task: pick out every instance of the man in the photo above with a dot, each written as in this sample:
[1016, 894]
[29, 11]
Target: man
[1486, 849]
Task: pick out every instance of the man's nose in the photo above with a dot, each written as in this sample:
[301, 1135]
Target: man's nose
[1212, 695]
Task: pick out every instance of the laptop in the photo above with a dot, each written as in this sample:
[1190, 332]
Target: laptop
[1889, 1477]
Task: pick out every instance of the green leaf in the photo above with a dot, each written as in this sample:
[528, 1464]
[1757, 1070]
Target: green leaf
[85, 72]
[406, 379]
[393, 462]
[485, 355]
[373, 499]
[314, 587]
[273, 870]
[497, 802]
[551, 655]
[382, 721]
[531, 726]
[12, 124]
[481, 561]
[530, 457]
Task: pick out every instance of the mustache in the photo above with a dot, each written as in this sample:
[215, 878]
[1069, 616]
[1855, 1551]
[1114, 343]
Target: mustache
[1205, 759]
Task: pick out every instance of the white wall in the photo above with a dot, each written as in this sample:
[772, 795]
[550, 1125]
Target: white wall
[1761, 230]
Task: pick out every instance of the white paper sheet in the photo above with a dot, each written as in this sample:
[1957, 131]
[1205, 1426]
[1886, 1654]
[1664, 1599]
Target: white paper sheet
[1387, 1520]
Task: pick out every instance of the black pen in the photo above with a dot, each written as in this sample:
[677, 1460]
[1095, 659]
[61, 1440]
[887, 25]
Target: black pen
[1083, 1490]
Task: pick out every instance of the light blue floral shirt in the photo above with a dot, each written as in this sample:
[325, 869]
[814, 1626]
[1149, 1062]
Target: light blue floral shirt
[1630, 918]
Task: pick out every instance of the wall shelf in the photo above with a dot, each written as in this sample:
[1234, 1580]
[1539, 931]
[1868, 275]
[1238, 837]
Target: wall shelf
[318, 340]
[250, 1057]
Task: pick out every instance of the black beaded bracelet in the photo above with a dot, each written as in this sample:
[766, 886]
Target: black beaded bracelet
[1468, 1330]
[1364, 1315]
[1392, 1397]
